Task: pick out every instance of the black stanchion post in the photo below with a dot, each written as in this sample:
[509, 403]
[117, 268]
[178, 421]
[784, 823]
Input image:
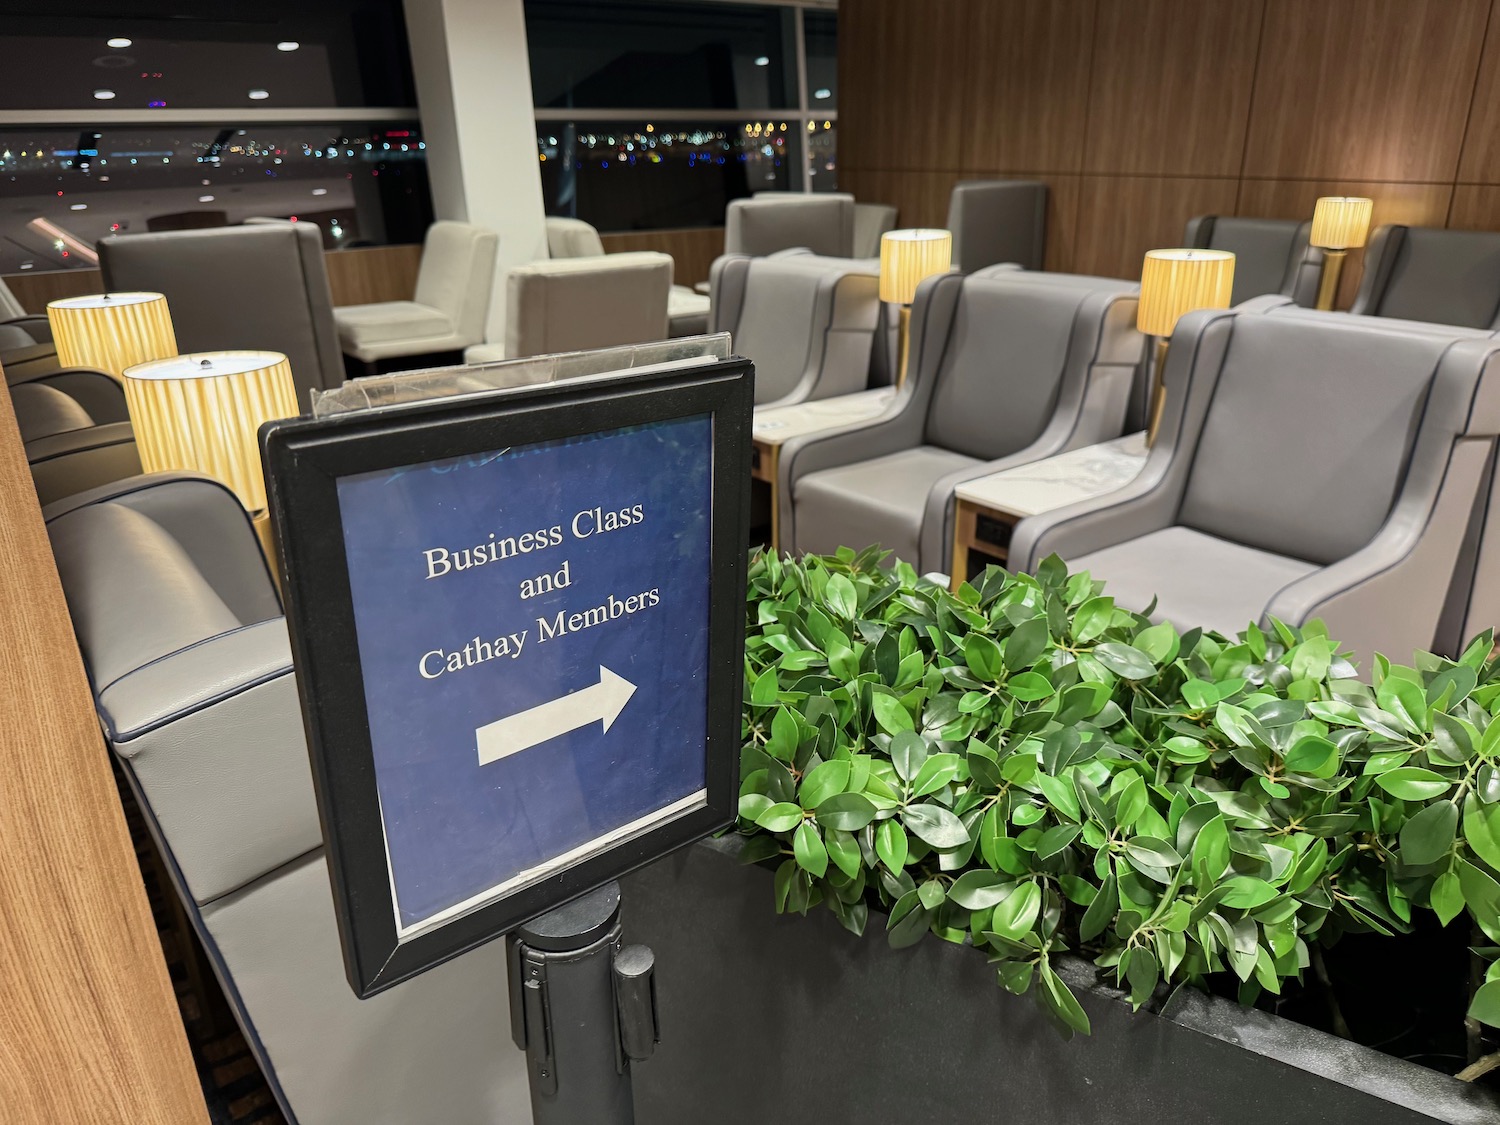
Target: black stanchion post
[582, 1009]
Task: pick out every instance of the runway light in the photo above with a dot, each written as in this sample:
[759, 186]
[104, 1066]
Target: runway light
[118, 42]
[103, 95]
[287, 45]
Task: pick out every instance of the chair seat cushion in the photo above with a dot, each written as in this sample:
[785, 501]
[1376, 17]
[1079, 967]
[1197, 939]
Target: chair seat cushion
[880, 501]
[389, 321]
[1197, 579]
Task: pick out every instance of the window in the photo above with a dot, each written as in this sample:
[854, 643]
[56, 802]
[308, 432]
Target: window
[155, 122]
[657, 115]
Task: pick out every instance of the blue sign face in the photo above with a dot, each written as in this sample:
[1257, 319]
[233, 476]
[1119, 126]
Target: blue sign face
[532, 627]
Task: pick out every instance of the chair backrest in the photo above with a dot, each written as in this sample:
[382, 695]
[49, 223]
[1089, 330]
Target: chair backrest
[1014, 344]
[575, 304]
[808, 322]
[1440, 276]
[772, 221]
[996, 221]
[10, 307]
[572, 238]
[1270, 255]
[871, 220]
[457, 275]
[262, 286]
[1307, 431]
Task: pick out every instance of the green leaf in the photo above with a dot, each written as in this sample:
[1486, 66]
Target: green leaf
[808, 847]
[1482, 830]
[934, 825]
[1055, 839]
[1158, 642]
[1015, 976]
[1482, 894]
[908, 751]
[1093, 618]
[1246, 893]
[841, 596]
[1413, 783]
[891, 846]
[1143, 976]
[1101, 912]
[1125, 660]
[1026, 644]
[936, 772]
[781, 817]
[1426, 837]
[892, 716]
[822, 782]
[979, 890]
[1446, 897]
[843, 850]
[1152, 852]
[1485, 1007]
[1029, 686]
[1132, 802]
[1313, 755]
[848, 812]
[930, 894]
[1200, 695]
[753, 804]
[982, 655]
[1060, 999]
[763, 691]
[1017, 912]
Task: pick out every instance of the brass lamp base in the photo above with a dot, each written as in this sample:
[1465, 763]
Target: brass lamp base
[1158, 391]
[1328, 284]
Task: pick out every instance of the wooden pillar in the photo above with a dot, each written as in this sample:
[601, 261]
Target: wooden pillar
[89, 1028]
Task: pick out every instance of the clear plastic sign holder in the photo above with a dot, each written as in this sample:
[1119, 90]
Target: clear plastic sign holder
[582, 1004]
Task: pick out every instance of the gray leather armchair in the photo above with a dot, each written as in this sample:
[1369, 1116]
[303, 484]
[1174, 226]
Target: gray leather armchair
[187, 651]
[772, 221]
[263, 286]
[1424, 273]
[996, 221]
[1006, 369]
[808, 322]
[76, 431]
[1308, 465]
[14, 315]
[871, 222]
[1270, 255]
[577, 304]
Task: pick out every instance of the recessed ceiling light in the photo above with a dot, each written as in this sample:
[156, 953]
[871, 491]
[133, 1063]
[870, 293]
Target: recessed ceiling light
[259, 95]
[762, 61]
[78, 207]
[104, 95]
[320, 191]
[288, 45]
[28, 265]
[205, 199]
[118, 41]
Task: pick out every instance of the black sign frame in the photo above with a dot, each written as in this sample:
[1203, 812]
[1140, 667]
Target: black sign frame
[304, 460]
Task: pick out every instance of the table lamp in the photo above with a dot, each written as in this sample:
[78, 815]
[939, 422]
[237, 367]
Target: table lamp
[1340, 224]
[907, 258]
[202, 412]
[111, 331]
[1174, 282]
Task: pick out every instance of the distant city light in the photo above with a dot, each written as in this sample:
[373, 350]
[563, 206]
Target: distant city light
[825, 92]
[258, 95]
[288, 45]
[78, 207]
[104, 95]
[762, 61]
[118, 41]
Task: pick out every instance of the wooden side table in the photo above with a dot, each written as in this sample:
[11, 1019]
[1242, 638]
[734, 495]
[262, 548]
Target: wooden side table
[778, 424]
[987, 510]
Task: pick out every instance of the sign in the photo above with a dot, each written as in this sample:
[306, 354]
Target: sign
[517, 637]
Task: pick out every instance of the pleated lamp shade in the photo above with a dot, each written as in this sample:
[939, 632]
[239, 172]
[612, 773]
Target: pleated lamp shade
[201, 412]
[1174, 282]
[111, 331]
[1341, 222]
[908, 257]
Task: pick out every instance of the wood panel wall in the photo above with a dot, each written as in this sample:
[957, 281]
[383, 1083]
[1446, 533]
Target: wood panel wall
[89, 1028]
[1143, 113]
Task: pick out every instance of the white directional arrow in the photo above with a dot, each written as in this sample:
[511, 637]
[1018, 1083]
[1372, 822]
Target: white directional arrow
[598, 702]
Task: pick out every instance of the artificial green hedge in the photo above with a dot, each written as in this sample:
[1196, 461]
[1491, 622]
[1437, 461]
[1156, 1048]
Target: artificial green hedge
[1027, 766]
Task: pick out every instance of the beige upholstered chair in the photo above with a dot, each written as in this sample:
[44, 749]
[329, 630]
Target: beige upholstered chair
[575, 304]
[778, 220]
[448, 310]
[687, 311]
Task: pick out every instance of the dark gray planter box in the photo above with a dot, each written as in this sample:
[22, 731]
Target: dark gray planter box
[794, 1021]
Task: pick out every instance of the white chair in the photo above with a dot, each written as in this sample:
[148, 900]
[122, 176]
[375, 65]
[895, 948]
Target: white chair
[687, 312]
[449, 308]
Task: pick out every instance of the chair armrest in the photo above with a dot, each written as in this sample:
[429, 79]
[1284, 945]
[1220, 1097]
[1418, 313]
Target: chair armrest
[78, 461]
[213, 734]
[1390, 595]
